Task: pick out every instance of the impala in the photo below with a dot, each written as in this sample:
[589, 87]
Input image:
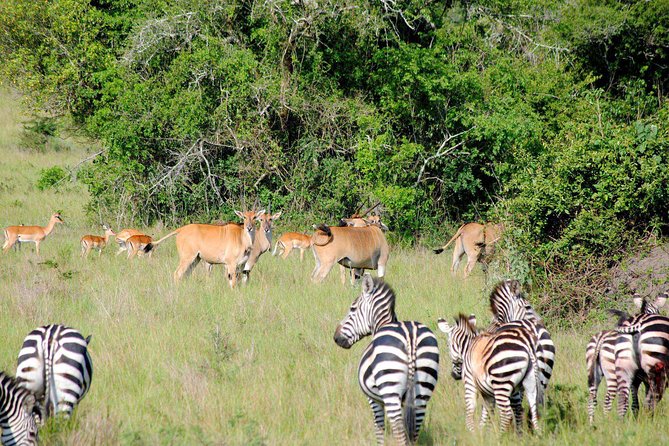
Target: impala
[89, 242]
[34, 234]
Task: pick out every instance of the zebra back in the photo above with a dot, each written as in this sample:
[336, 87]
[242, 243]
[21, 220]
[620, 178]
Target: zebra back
[55, 365]
[16, 413]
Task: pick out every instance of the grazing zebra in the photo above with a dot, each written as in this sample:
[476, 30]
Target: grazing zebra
[600, 359]
[55, 365]
[643, 348]
[508, 305]
[498, 365]
[398, 369]
[16, 413]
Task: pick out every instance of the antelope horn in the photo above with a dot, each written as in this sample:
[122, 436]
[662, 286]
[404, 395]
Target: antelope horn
[358, 210]
[370, 209]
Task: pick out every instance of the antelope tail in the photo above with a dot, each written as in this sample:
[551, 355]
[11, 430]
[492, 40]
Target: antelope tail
[457, 234]
[328, 233]
[149, 247]
[154, 244]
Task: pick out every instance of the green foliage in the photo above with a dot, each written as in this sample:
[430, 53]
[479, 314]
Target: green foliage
[51, 177]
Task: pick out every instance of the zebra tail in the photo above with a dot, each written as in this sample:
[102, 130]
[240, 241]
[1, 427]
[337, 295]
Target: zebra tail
[593, 367]
[410, 398]
[51, 398]
[537, 377]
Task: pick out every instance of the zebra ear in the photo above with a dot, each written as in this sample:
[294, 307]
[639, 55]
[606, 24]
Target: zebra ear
[88, 339]
[638, 300]
[472, 320]
[367, 284]
[661, 300]
[443, 326]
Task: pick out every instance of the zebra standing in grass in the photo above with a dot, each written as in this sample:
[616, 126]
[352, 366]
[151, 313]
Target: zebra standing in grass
[398, 370]
[498, 365]
[16, 413]
[600, 359]
[55, 365]
[508, 305]
[643, 348]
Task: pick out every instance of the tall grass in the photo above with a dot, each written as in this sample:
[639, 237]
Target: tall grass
[202, 364]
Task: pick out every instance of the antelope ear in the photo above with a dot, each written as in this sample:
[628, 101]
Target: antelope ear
[661, 300]
[384, 227]
[367, 284]
[239, 214]
[443, 326]
[259, 213]
[638, 300]
[275, 216]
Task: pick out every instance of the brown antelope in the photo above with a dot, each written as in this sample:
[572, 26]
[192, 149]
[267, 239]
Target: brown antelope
[358, 221]
[123, 236]
[473, 239]
[262, 242]
[89, 242]
[34, 234]
[292, 240]
[355, 248]
[139, 243]
[215, 244]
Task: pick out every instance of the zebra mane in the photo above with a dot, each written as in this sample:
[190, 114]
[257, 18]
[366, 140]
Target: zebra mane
[622, 316]
[381, 288]
[502, 300]
[464, 321]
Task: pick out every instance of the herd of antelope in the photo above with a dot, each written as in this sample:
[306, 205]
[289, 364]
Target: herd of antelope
[508, 361]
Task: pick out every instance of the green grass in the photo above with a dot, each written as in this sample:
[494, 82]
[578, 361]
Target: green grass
[203, 364]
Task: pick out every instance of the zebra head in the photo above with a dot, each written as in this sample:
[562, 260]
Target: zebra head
[17, 417]
[374, 308]
[508, 304]
[460, 336]
[646, 307]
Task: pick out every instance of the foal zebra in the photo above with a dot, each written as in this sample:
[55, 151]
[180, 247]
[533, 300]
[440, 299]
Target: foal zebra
[55, 365]
[399, 368]
[643, 347]
[508, 305]
[600, 359]
[16, 413]
[498, 365]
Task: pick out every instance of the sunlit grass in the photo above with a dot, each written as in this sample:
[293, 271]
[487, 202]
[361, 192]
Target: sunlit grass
[203, 364]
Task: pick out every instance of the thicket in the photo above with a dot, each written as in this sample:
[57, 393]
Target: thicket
[550, 116]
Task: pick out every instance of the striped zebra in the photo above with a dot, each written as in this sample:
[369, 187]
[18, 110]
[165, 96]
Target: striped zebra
[497, 365]
[508, 305]
[16, 413]
[55, 365]
[643, 348]
[600, 359]
[399, 368]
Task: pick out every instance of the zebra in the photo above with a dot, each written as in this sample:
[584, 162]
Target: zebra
[642, 348]
[398, 370]
[600, 359]
[55, 365]
[507, 304]
[16, 413]
[497, 365]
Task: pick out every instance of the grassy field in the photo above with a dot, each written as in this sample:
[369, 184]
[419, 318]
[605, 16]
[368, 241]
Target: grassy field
[203, 364]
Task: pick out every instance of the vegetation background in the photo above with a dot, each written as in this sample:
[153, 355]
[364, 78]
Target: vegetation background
[550, 116]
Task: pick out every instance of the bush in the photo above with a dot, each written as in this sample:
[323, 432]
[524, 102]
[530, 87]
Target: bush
[51, 177]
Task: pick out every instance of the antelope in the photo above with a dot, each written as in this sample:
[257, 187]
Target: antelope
[139, 243]
[353, 247]
[89, 242]
[358, 221]
[229, 244]
[292, 240]
[123, 236]
[472, 239]
[262, 242]
[34, 234]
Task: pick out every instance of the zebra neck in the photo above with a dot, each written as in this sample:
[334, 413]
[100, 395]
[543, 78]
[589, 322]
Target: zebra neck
[382, 321]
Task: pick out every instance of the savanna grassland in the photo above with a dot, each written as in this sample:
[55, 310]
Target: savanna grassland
[203, 364]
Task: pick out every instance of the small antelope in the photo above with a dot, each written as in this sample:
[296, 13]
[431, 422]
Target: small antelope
[292, 240]
[358, 221]
[139, 243]
[123, 236]
[89, 242]
[34, 234]
[262, 242]
[475, 240]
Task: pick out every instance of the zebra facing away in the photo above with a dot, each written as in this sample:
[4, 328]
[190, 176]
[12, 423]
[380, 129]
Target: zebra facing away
[643, 348]
[399, 368]
[600, 359]
[55, 365]
[497, 365]
[16, 413]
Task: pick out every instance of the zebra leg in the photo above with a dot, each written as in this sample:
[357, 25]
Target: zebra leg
[393, 405]
[379, 426]
[624, 384]
[419, 411]
[470, 403]
[531, 385]
[610, 394]
[634, 391]
[505, 412]
[486, 411]
[517, 406]
[593, 385]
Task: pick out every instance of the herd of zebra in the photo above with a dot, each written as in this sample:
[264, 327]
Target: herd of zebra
[511, 358]
[53, 374]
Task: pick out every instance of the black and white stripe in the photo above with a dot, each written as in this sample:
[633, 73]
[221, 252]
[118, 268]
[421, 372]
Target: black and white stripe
[398, 370]
[497, 365]
[54, 364]
[642, 348]
[508, 305]
[16, 413]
